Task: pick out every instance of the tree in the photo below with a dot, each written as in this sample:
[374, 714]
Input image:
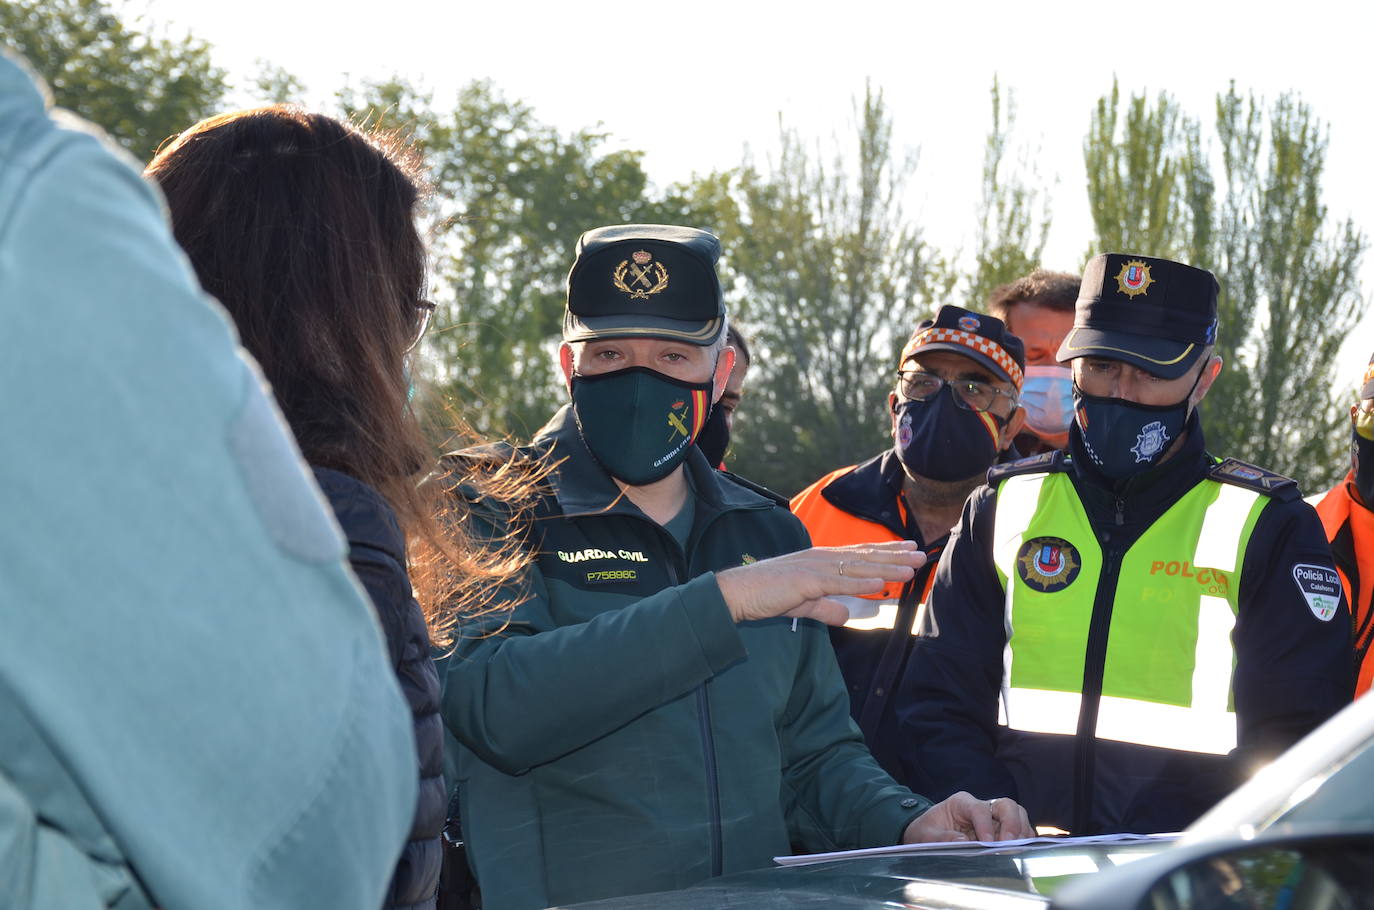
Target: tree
[1013, 216]
[512, 196]
[831, 277]
[1290, 291]
[141, 87]
[1294, 291]
[1146, 178]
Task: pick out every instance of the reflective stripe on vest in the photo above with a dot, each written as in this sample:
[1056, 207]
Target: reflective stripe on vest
[1169, 661]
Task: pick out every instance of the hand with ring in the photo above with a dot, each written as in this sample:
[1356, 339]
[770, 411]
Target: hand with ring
[803, 583]
[962, 817]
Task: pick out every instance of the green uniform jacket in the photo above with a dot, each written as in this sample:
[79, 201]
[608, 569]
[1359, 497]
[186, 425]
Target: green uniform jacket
[621, 734]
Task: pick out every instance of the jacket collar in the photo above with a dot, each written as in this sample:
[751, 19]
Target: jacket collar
[582, 485]
[365, 517]
[871, 491]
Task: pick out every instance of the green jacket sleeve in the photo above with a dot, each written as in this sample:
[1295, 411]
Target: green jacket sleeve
[835, 795]
[532, 691]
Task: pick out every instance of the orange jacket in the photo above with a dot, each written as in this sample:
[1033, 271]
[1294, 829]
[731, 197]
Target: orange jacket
[1350, 529]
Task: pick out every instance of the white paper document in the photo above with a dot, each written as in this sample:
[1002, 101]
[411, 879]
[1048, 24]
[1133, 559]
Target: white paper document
[805, 858]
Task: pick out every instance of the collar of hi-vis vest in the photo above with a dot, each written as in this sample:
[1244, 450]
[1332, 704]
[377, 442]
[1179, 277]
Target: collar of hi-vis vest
[583, 487]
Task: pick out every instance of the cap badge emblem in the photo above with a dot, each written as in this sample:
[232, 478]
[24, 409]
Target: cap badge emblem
[1134, 278]
[968, 323]
[640, 278]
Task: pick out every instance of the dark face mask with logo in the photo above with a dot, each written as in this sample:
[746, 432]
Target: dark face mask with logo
[940, 440]
[1125, 438]
[638, 423]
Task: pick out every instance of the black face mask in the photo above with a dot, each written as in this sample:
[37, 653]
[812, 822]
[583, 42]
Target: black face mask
[637, 422]
[714, 438]
[940, 440]
[1362, 460]
[1124, 438]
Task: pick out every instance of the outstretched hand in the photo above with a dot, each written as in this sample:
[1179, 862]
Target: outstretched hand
[803, 583]
[962, 817]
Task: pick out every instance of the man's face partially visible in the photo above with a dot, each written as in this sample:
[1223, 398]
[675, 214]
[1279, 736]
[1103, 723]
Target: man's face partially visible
[1105, 378]
[955, 368]
[1042, 330]
[734, 390]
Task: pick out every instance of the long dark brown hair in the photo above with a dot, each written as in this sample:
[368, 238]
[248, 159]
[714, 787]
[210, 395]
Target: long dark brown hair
[304, 228]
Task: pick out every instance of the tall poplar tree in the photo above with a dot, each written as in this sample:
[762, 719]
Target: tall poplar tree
[1014, 212]
[1288, 273]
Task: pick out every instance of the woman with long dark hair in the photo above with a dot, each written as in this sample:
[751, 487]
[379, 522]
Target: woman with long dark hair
[304, 228]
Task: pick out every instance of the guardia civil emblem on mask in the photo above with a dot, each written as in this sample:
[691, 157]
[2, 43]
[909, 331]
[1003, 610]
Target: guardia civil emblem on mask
[1048, 564]
[640, 276]
[1150, 442]
[1134, 278]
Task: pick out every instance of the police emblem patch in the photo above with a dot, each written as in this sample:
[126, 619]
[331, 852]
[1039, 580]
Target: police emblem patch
[969, 323]
[1320, 587]
[1134, 278]
[1150, 442]
[639, 276]
[904, 431]
[1048, 563]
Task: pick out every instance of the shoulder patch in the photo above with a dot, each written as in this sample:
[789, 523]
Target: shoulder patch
[1237, 472]
[1320, 587]
[1045, 462]
[760, 489]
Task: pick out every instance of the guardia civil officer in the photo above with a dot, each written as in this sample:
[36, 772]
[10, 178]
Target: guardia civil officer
[652, 708]
[1128, 629]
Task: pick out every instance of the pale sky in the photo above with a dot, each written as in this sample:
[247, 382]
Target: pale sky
[692, 84]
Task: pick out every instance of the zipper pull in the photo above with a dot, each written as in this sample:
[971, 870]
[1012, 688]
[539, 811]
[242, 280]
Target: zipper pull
[794, 623]
[1120, 512]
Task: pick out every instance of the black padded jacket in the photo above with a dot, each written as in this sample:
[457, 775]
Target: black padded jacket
[376, 551]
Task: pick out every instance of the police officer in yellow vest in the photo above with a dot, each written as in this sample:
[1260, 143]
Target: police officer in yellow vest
[1121, 633]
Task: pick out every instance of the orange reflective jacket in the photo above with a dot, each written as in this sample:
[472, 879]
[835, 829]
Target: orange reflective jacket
[1350, 529]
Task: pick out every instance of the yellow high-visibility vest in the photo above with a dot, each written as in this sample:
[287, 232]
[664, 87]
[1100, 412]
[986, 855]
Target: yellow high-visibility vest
[1169, 659]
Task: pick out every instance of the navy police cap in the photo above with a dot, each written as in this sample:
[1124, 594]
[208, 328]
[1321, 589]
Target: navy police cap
[983, 338]
[645, 281]
[1153, 313]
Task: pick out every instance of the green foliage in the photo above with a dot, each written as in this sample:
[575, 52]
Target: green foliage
[1301, 278]
[1148, 181]
[513, 194]
[831, 278]
[140, 86]
[1290, 287]
[1014, 216]
[273, 84]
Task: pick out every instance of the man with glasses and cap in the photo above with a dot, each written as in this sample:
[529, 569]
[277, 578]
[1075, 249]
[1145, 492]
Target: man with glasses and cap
[1121, 633]
[1347, 516]
[656, 705]
[954, 412]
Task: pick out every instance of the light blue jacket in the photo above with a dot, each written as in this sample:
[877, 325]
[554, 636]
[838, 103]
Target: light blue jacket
[195, 706]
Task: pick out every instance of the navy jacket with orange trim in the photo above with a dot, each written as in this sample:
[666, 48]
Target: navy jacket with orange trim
[1349, 527]
[863, 504]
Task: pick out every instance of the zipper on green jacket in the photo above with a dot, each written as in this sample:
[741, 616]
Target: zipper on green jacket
[708, 743]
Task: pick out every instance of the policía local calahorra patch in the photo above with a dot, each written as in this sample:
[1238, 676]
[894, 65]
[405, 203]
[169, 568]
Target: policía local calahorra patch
[1322, 588]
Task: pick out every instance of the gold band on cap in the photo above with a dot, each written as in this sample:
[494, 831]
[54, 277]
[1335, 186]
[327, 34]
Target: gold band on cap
[1068, 343]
